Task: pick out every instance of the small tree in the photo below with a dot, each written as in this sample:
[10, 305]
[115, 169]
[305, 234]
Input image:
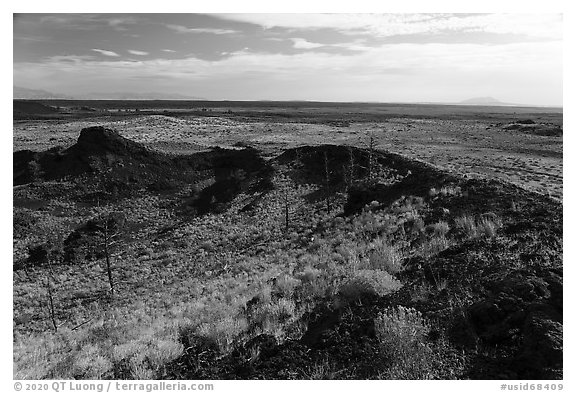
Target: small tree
[109, 231]
[327, 181]
[371, 149]
[35, 170]
[286, 199]
[53, 255]
[349, 171]
[108, 228]
[286, 210]
[49, 291]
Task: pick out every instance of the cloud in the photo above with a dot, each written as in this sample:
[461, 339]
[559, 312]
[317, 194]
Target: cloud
[106, 52]
[296, 55]
[138, 52]
[384, 25]
[301, 43]
[519, 72]
[90, 21]
[69, 59]
[423, 59]
[343, 48]
[118, 22]
[184, 29]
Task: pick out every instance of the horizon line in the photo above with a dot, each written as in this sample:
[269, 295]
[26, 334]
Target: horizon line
[501, 104]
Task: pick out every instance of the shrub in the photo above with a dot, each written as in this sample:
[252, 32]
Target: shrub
[368, 282]
[417, 225]
[434, 245]
[467, 224]
[408, 352]
[402, 333]
[386, 257]
[323, 370]
[441, 228]
[225, 331]
[273, 318]
[488, 225]
[285, 285]
[450, 191]
[308, 275]
[90, 363]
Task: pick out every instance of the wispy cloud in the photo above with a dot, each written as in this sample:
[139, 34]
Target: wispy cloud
[120, 22]
[69, 59]
[384, 25]
[184, 29]
[301, 43]
[90, 21]
[138, 52]
[345, 47]
[32, 38]
[168, 50]
[106, 52]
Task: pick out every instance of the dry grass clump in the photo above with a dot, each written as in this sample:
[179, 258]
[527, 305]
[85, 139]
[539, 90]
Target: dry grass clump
[434, 246]
[323, 370]
[467, 224]
[368, 282]
[386, 257]
[403, 336]
[274, 317]
[486, 226]
[449, 190]
[440, 229]
[225, 331]
[285, 285]
[309, 274]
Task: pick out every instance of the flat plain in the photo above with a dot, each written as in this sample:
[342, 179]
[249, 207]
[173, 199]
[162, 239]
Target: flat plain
[468, 140]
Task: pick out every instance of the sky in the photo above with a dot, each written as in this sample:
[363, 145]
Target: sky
[515, 58]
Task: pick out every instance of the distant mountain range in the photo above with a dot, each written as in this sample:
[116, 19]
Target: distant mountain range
[488, 101]
[33, 94]
[136, 96]
[485, 101]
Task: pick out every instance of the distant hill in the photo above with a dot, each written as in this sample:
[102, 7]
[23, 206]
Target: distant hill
[483, 101]
[490, 101]
[137, 96]
[32, 94]
[31, 110]
[36, 94]
[31, 107]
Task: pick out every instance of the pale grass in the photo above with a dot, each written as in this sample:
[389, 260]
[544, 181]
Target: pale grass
[386, 257]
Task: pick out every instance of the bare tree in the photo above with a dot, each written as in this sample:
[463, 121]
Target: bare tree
[53, 254]
[349, 171]
[110, 232]
[327, 181]
[108, 229]
[286, 210]
[48, 285]
[371, 145]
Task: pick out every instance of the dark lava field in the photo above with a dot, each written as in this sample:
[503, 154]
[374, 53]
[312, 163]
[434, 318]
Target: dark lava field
[230, 242]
